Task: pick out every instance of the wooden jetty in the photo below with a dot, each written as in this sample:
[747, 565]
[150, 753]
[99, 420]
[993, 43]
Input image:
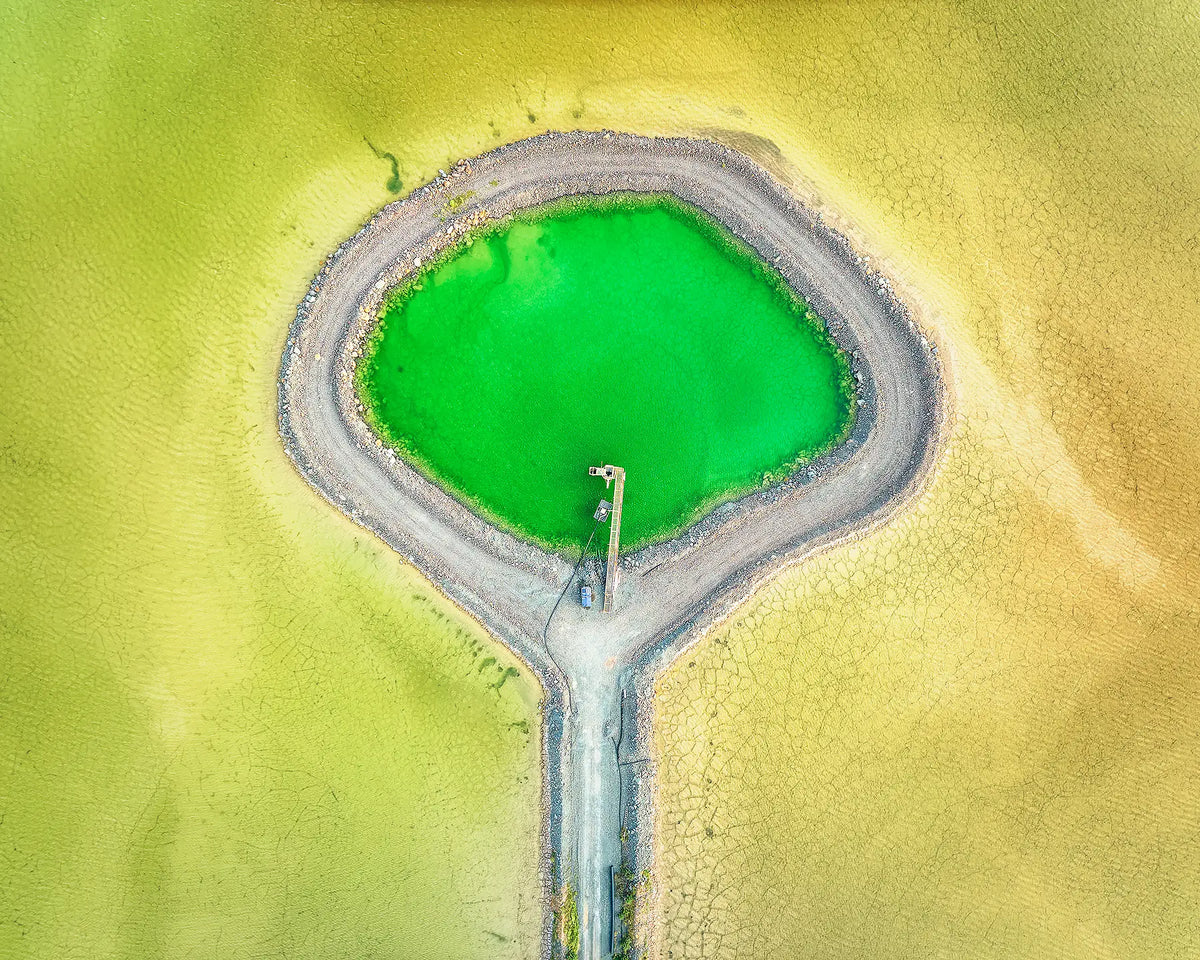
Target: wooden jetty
[616, 476]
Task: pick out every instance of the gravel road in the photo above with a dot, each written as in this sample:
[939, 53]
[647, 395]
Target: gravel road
[598, 771]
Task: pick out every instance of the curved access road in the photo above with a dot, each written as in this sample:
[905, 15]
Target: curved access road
[597, 668]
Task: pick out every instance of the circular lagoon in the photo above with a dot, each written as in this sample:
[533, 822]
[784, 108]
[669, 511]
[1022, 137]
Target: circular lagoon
[630, 329]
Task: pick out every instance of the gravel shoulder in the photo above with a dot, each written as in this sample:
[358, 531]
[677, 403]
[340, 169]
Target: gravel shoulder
[598, 671]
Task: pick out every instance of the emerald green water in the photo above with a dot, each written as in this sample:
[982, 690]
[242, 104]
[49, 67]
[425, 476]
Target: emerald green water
[634, 331]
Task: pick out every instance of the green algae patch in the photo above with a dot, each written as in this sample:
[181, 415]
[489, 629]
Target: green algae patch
[632, 330]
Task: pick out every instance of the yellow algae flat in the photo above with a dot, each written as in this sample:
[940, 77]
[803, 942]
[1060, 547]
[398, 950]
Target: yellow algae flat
[233, 725]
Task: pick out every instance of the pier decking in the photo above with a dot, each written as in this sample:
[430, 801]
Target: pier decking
[614, 539]
[615, 475]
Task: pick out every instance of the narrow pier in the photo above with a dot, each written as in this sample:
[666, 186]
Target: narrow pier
[615, 475]
[614, 539]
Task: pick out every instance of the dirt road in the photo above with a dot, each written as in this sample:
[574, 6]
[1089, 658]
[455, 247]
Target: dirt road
[598, 771]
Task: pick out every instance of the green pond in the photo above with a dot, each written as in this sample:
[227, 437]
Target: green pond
[632, 330]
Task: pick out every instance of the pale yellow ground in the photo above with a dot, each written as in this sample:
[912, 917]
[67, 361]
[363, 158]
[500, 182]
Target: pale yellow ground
[974, 733]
